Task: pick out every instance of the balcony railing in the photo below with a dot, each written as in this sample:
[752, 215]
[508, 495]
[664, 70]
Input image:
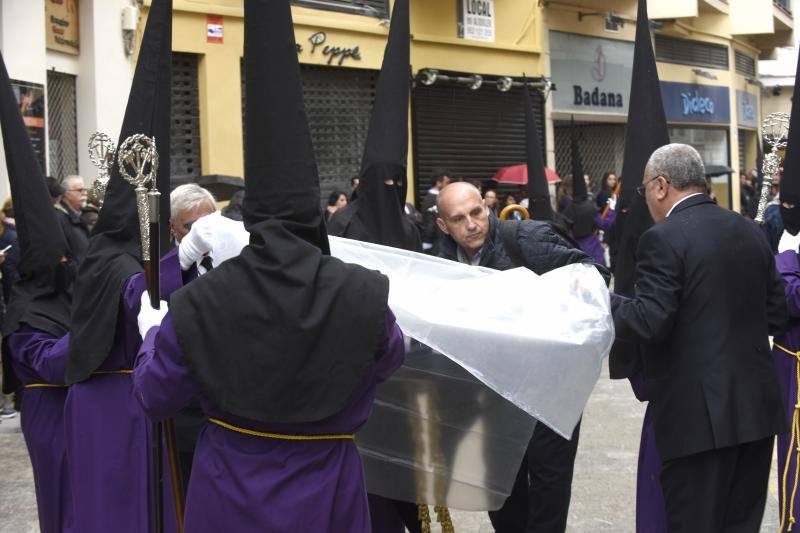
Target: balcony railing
[369, 8]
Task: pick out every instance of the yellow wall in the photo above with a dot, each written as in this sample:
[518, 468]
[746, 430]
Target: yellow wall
[435, 44]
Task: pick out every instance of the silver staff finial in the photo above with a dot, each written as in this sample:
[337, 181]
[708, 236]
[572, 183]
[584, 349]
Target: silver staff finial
[101, 153]
[775, 131]
[137, 158]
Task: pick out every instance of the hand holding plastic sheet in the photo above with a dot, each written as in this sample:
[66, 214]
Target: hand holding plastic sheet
[542, 348]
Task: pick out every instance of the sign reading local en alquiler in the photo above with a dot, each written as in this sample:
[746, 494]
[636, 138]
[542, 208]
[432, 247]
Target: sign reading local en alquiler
[593, 75]
[476, 20]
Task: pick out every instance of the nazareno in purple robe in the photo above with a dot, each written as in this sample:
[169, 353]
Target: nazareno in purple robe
[788, 264]
[39, 361]
[651, 514]
[247, 483]
[108, 435]
[590, 244]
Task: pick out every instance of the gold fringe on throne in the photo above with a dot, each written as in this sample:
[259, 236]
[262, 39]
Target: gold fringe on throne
[442, 516]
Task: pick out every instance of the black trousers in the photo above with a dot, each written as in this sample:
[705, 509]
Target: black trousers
[720, 491]
[539, 502]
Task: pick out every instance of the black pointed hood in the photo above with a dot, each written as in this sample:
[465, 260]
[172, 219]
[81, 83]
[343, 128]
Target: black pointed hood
[281, 179]
[114, 253]
[646, 131]
[307, 324]
[790, 181]
[538, 189]
[582, 211]
[41, 297]
[579, 192]
[378, 213]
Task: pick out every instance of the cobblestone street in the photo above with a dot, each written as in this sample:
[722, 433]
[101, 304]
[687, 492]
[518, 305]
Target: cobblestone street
[603, 497]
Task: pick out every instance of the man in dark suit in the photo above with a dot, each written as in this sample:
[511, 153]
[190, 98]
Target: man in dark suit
[707, 298]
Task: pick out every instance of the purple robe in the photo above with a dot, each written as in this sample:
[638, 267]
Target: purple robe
[108, 435]
[39, 359]
[590, 244]
[249, 483]
[651, 514]
[788, 264]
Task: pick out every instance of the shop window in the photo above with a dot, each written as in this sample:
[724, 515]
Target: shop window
[369, 8]
[713, 147]
[602, 148]
[745, 64]
[62, 124]
[685, 52]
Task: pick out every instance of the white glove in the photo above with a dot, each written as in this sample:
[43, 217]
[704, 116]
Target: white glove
[198, 241]
[612, 203]
[149, 317]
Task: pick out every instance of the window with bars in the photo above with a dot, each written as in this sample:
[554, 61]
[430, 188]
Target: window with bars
[62, 124]
[338, 105]
[369, 8]
[185, 125]
[745, 64]
[685, 52]
[602, 147]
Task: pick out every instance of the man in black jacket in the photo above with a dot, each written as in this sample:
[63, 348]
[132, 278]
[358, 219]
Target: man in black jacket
[69, 215]
[707, 298]
[540, 498]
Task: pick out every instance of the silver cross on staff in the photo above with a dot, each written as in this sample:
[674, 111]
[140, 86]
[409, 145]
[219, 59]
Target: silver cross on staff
[101, 153]
[138, 164]
[775, 130]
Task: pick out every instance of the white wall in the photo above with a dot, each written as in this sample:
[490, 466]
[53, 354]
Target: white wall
[103, 72]
[104, 78]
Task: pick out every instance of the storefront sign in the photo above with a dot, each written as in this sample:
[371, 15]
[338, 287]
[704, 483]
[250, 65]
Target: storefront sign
[476, 20]
[746, 109]
[31, 104]
[318, 45]
[215, 29]
[691, 102]
[591, 74]
[61, 25]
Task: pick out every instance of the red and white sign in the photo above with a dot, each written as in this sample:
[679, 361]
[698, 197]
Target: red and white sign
[214, 28]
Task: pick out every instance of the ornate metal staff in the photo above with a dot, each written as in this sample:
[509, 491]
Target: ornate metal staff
[775, 130]
[138, 153]
[101, 153]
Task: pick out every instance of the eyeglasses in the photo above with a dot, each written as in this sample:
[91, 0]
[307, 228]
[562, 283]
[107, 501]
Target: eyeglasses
[643, 187]
[77, 190]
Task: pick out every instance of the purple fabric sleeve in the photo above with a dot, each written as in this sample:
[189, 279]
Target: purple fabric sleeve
[39, 357]
[607, 223]
[787, 265]
[161, 381]
[391, 354]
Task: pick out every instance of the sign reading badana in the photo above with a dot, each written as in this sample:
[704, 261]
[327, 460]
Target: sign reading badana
[476, 20]
[593, 75]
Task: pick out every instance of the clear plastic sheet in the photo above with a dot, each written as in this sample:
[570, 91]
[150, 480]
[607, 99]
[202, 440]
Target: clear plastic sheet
[439, 436]
[541, 348]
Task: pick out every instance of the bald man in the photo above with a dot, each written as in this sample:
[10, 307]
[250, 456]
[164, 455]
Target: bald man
[474, 236]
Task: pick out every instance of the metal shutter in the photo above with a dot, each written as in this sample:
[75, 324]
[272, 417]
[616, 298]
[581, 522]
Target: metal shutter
[685, 52]
[742, 135]
[472, 133]
[370, 8]
[601, 145]
[185, 128]
[62, 124]
[338, 104]
[745, 65]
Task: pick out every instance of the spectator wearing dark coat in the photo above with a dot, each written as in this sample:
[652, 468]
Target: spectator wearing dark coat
[70, 209]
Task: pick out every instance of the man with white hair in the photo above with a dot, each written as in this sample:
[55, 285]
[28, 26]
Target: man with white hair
[73, 199]
[707, 298]
[188, 203]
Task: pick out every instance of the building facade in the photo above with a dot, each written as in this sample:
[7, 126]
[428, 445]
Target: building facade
[70, 62]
